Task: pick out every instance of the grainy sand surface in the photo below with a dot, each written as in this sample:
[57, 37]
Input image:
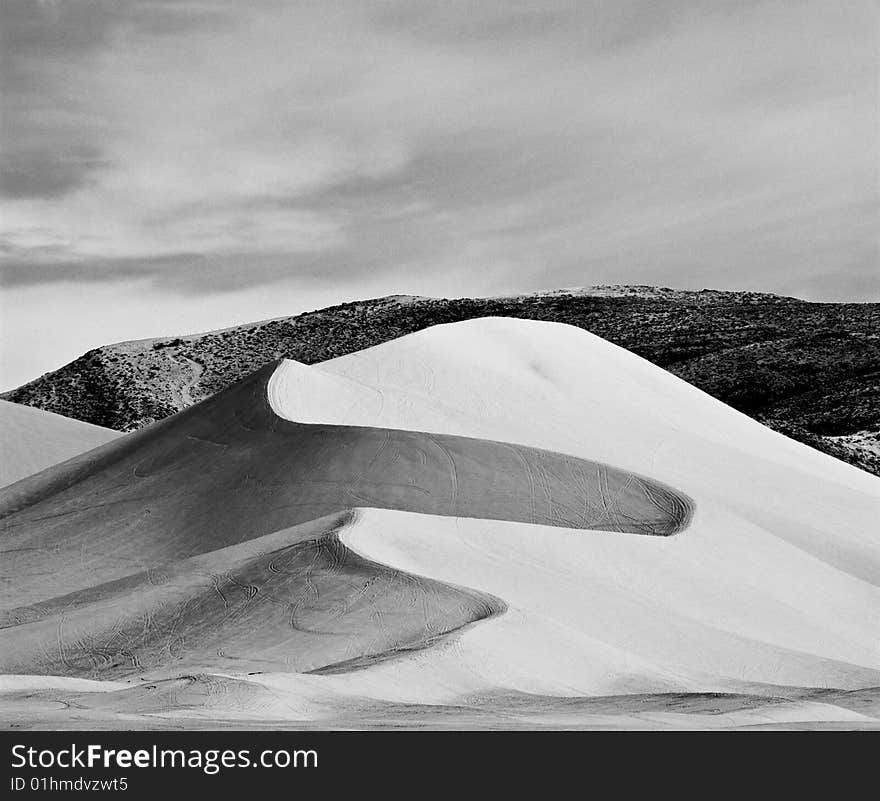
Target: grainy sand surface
[223, 702]
[32, 440]
[447, 530]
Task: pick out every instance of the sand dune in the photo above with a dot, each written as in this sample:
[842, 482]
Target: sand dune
[503, 471]
[214, 701]
[230, 470]
[555, 387]
[294, 600]
[33, 440]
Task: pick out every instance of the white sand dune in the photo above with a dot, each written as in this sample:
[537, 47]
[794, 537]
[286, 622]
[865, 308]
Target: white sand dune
[775, 581]
[607, 614]
[556, 387]
[770, 591]
[32, 440]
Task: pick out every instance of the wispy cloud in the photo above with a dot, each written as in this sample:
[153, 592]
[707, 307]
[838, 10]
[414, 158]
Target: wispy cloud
[211, 146]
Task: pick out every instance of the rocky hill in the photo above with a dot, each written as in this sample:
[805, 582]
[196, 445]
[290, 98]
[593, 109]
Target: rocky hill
[809, 370]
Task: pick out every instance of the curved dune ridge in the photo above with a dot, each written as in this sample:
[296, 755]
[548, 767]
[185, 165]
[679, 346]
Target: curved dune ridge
[89, 546]
[295, 600]
[325, 519]
[33, 440]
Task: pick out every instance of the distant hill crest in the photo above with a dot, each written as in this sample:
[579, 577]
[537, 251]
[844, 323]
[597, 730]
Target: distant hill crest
[809, 370]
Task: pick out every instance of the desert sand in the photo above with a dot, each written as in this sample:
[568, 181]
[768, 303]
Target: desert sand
[497, 523]
[34, 440]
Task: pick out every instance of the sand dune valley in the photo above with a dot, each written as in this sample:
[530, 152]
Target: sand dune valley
[496, 523]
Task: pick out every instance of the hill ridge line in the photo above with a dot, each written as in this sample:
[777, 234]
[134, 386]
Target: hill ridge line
[809, 370]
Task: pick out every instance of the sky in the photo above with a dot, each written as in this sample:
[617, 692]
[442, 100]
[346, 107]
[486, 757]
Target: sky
[172, 166]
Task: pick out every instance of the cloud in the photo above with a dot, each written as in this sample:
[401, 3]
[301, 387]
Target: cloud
[32, 172]
[209, 147]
